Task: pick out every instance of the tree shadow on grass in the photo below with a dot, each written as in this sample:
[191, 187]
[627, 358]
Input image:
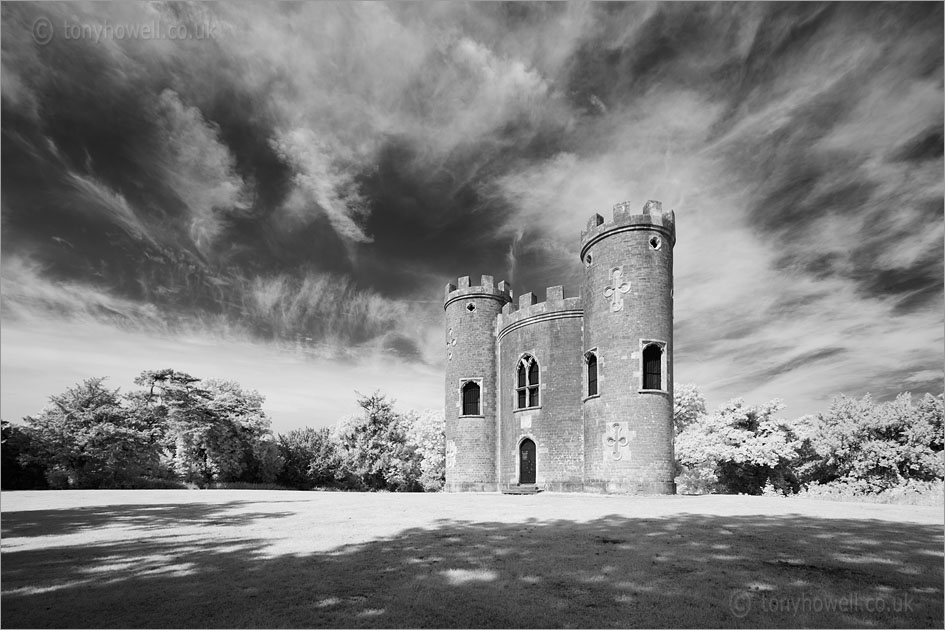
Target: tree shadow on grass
[147, 516]
[681, 571]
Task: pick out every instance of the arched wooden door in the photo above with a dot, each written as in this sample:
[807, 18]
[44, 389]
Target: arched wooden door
[526, 462]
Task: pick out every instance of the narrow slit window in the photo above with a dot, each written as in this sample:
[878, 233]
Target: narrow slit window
[653, 367]
[527, 383]
[591, 374]
[471, 399]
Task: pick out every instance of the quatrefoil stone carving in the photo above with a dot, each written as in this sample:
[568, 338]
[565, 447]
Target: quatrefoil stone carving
[617, 288]
[618, 438]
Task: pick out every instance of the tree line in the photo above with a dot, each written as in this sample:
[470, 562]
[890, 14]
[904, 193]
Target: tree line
[857, 447]
[177, 430]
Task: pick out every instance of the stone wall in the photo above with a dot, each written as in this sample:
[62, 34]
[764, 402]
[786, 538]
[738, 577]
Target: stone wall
[550, 332]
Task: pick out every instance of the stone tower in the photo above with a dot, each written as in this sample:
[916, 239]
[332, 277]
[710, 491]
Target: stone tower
[628, 328]
[471, 383]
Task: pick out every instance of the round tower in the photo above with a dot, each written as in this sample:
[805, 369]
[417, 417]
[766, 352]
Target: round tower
[470, 383]
[628, 345]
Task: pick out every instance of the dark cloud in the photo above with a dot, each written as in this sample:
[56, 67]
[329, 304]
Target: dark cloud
[637, 48]
[403, 347]
[927, 145]
[437, 216]
[913, 286]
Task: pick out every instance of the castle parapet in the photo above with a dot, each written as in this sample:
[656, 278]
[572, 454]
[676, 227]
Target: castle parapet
[529, 311]
[486, 288]
[652, 218]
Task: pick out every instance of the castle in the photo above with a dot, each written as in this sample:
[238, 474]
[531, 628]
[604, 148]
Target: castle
[570, 394]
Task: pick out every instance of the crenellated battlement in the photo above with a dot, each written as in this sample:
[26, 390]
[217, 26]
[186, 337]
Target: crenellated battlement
[652, 218]
[486, 288]
[529, 310]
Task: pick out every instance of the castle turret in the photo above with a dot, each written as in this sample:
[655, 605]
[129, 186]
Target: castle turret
[470, 383]
[628, 341]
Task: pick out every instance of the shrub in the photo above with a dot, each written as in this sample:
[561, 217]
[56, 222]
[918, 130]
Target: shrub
[147, 483]
[427, 433]
[911, 492]
[376, 453]
[20, 470]
[697, 480]
[688, 405]
[738, 449]
[873, 447]
[310, 459]
[245, 485]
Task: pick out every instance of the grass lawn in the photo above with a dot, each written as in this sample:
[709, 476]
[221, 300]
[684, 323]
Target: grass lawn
[238, 558]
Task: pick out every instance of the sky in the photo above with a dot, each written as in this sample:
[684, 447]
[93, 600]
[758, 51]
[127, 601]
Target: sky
[277, 193]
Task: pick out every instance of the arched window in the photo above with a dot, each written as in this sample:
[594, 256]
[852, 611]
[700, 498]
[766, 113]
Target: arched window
[653, 366]
[526, 389]
[591, 359]
[471, 398]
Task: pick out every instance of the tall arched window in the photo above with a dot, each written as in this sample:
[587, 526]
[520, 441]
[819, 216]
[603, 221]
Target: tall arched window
[526, 389]
[653, 366]
[471, 399]
[591, 359]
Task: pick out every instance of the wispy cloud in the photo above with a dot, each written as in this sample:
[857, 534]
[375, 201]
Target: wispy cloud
[320, 316]
[323, 185]
[331, 313]
[198, 168]
[28, 293]
[94, 196]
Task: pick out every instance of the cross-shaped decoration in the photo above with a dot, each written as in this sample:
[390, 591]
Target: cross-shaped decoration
[617, 441]
[613, 292]
[449, 345]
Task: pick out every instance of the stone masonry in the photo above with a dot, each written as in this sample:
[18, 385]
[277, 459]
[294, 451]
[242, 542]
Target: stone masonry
[504, 429]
